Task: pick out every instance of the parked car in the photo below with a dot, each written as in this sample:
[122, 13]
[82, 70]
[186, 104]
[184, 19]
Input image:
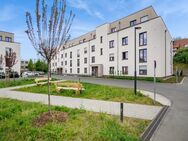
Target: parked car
[13, 75]
[2, 75]
[27, 74]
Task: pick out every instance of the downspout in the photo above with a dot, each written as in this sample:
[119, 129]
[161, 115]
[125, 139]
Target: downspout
[165, 53]
[90, 73]
[118, 48]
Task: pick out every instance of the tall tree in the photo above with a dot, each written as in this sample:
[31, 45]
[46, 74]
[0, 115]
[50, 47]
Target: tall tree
[52, 33]
[10, 61]
[30, 65]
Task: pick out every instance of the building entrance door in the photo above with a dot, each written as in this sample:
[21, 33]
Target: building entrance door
[95, 71]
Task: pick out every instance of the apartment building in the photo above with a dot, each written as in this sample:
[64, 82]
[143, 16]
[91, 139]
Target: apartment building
[7, 45]
[110, 48]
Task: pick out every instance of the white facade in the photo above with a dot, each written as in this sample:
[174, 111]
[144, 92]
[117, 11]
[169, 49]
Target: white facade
[9, 44]
[156, 40]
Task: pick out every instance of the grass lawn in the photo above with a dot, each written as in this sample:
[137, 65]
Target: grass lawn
[95, 91]
[16, 82]
[16, 123]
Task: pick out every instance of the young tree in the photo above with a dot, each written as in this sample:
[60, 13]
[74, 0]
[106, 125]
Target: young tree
[52, 33]
[10, 61]
[30, 65]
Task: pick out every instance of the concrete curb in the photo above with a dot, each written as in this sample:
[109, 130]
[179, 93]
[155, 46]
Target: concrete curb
[159, 98]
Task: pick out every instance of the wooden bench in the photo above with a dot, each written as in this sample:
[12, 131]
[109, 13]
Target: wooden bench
[41, 81]
[78, 87]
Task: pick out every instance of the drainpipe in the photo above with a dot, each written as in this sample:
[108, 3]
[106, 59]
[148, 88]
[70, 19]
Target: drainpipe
[165, 53]
[118, 48]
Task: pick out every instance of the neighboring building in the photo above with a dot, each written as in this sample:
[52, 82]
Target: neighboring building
[24, 65]
[109, 49]
[179, 43]
[7, 44]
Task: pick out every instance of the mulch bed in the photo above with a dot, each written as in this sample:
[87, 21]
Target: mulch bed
[53, 116]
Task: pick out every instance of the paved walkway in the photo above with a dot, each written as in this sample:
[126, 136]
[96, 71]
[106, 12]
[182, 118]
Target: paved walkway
[130, 110]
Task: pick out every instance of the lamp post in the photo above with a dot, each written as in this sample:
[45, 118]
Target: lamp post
[135, 73]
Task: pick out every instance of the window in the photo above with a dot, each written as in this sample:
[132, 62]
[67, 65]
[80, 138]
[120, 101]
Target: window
[70, 63]
[78, 53]
[125, 70]
[111, 70]
[78, 70]
[56, 64]
[93, 48]
[143, 70]
[61, 55]
[101, 51]
[65, 55]
[70, 70]
[101, 39]
[144, 18]
[85, 60]
[65, 62]
[65, 70]
[111, 44]
[142, 55]
[111, 57]
[124, 41]
[93, 59]
[85, 50]
[94, 36]
[143, 39]
[85, 70]
[78, 62]
[132, 23]
[84, 40]
[1, 38]
[8, 51]
[62, 63]
[113, 29]
[125, 55]
[70, 54]
[8, 39]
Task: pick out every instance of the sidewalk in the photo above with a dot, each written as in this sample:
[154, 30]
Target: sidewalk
[130, 110]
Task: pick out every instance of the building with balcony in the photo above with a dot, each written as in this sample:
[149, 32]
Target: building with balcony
[8, 45]
[110, 48]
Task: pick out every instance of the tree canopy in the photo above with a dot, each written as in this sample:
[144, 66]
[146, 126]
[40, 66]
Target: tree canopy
[181, 56]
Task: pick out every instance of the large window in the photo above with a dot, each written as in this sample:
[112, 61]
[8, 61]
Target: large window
[125, 55]
[85, 70]
[125, 70]
[111, 57]
[143, 70]
[78, 53]
[78, 62]
[124, 41]
[8, 39]
[144, 18]
[111, 44]
[132, 23]
[111, 70]
[142, 55]
[85, 50]
[70, 54]
[143, 39]
[85, 60]
[93, 48]
[93, 59]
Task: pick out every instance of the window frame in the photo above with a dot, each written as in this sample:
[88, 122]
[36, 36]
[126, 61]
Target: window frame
[134, 22]
[126, 55]
[126, 41]
[93, 48]
[142, 41]
[111, 44]
[123, 70]
[143, 71]
[111, 57]
[143, 55]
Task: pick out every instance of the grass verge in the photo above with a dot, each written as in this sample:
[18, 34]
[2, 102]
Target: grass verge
[16, 123]
[95, 91]
[16, 82]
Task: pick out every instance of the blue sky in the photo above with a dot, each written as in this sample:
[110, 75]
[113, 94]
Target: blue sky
[91, 13]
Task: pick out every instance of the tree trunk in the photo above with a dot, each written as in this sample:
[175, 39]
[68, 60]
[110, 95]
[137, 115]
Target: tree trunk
[49, 109]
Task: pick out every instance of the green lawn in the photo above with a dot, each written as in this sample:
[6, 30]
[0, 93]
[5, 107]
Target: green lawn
[94, 91]
[16, 124]
[16, 82]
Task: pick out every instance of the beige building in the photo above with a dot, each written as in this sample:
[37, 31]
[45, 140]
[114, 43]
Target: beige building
[7, 45]
[110, 48]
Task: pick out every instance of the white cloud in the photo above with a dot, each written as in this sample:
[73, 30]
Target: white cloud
[83, 5]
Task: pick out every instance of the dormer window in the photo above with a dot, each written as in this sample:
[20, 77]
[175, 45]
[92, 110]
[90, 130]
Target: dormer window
[113, 30]
[144, 18]
[132, 23]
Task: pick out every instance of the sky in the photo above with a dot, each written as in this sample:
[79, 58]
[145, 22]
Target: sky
[92, 13]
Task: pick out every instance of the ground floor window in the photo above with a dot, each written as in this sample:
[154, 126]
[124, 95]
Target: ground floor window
[70, 70]
[85, 70]
[143, 70]
[78, 70]
[111, 70]
[125, 70]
